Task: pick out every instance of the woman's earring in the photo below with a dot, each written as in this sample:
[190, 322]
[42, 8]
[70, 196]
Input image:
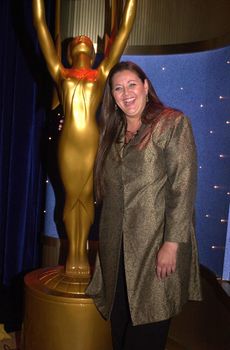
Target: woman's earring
[115, 107]
[147, 98]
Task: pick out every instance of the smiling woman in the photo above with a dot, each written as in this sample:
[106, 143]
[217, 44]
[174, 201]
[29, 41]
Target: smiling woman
[147, 265]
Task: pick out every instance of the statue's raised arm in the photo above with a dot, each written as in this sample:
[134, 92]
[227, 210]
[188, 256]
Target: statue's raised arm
[46, 42]
[120, 39]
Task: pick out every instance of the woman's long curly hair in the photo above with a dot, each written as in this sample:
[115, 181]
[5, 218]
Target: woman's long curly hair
[112, 121]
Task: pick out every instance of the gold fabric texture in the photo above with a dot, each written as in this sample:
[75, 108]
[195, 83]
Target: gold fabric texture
[149, 199]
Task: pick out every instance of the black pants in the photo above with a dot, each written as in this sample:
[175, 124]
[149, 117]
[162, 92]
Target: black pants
[125, 336]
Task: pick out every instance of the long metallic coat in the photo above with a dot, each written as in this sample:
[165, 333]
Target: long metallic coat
[149, 199]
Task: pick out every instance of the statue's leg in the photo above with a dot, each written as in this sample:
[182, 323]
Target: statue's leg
[78, 217]
[86, 211]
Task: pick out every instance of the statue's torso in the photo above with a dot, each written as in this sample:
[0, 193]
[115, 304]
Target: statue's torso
[80, 99]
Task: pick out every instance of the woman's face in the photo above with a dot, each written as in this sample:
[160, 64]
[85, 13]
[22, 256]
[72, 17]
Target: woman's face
[129, 93]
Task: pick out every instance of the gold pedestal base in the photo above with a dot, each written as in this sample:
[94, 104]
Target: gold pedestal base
[58, 320]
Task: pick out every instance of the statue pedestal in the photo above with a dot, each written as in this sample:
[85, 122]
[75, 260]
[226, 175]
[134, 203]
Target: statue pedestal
[58, 320]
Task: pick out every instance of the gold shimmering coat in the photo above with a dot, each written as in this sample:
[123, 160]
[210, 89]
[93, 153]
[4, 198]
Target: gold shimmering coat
[149, 199]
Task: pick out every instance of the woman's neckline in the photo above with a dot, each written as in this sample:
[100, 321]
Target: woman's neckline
[130, 135]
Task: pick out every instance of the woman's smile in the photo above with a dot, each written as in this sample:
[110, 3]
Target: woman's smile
[129, 101]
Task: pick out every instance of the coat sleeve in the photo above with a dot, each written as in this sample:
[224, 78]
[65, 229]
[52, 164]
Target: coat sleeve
[181, 164]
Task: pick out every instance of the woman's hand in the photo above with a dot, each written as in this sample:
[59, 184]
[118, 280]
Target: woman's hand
[166, 259]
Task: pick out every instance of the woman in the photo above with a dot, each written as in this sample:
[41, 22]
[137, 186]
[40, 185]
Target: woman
[147, 265]
[80, 89]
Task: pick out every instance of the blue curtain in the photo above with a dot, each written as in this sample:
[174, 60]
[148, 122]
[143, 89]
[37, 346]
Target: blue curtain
[24, 97]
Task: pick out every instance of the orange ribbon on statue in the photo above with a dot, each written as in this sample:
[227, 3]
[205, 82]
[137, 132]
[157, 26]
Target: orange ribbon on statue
[80, 74]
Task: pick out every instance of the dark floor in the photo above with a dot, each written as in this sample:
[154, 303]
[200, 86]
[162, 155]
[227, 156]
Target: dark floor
[11, 305]
[205, 325]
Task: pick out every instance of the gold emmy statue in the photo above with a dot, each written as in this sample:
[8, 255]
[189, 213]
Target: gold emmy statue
[58, 314]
